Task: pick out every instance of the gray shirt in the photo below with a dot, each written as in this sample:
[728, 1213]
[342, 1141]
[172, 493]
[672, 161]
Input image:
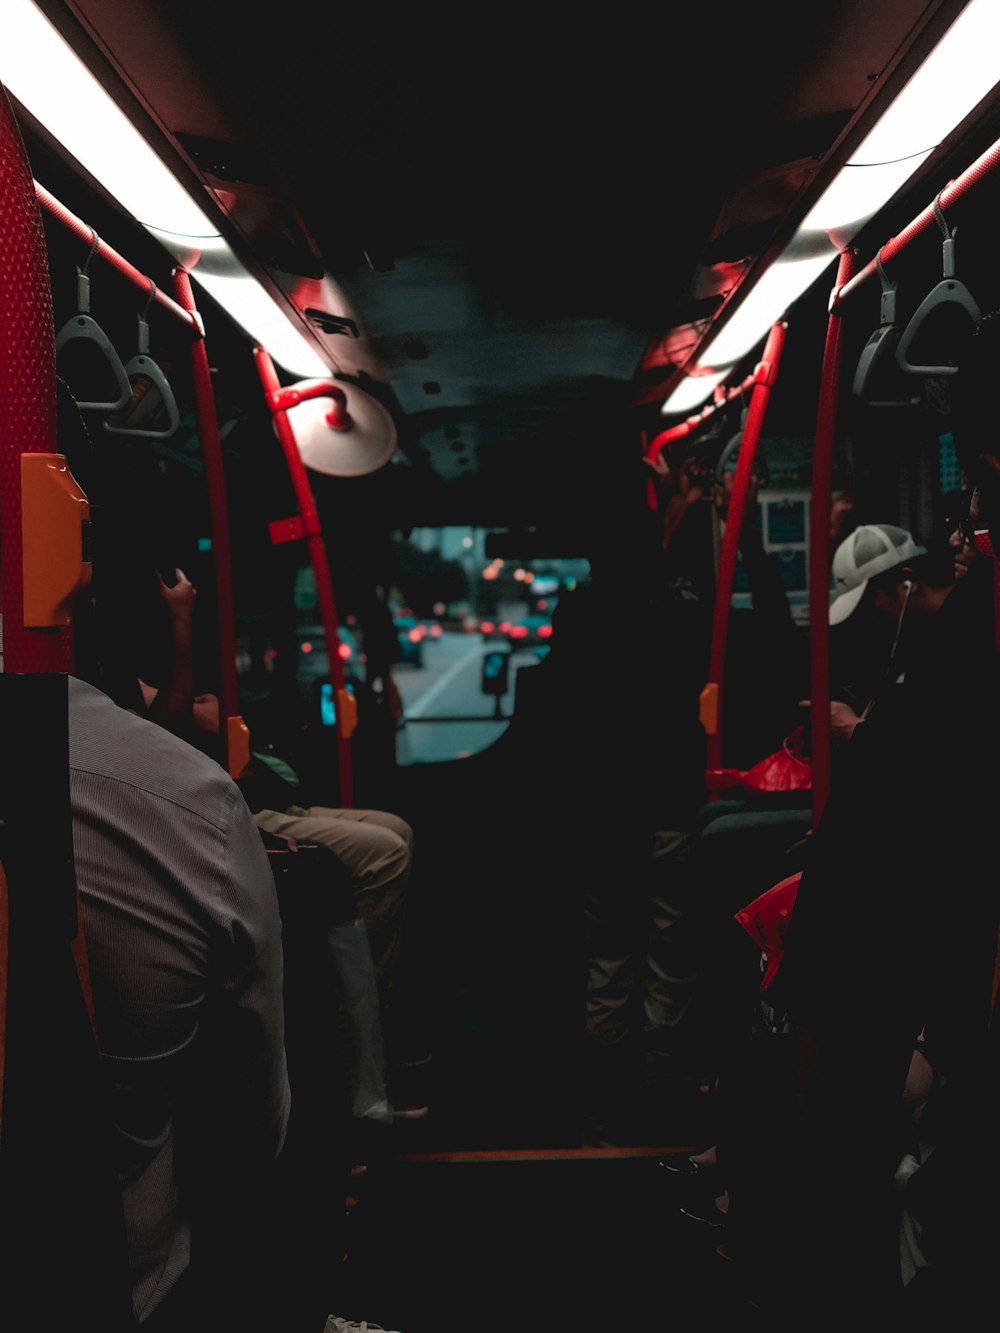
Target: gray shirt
[184, 943]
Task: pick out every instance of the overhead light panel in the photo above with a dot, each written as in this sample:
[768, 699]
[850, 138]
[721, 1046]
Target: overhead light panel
[958, 73]
[694, 390]
[45, 75]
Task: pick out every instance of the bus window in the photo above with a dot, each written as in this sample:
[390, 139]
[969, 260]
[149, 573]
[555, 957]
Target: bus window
[469, 608]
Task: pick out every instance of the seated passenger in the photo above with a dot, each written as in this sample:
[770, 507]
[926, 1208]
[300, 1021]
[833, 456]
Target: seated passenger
[184, 945]
[184, 948]
[885, 942]
[374, 847]
[740, 848]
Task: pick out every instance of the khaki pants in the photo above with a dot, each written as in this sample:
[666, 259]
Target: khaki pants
[376, 849]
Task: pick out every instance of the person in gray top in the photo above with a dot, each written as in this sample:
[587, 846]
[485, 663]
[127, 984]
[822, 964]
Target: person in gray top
[183, 938]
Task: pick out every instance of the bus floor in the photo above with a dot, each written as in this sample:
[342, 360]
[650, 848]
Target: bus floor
[491, 1212]
[497, 1208]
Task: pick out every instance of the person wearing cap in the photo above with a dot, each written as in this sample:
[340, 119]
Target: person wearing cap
[870, 550]
[888, 939]
[879, 573]
[873, 573]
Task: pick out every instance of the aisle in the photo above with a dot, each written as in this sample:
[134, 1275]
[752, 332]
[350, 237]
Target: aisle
[587, 1239]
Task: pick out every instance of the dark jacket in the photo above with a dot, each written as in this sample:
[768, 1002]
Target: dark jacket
[889, 904]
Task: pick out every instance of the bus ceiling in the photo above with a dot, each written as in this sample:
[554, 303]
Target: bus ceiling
[525, 256]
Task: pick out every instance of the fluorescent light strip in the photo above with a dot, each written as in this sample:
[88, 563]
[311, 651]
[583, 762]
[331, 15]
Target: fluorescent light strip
[766, 303]
[43, 73]
[954, 79]
[694, 390]
[856, 195]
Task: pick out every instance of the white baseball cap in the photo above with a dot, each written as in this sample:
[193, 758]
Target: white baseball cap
[872, 548]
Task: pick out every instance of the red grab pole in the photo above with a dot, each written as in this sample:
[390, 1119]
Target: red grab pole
[819, 544]
[233, 730]
[764, 376]
[307, 527]
[28, 439]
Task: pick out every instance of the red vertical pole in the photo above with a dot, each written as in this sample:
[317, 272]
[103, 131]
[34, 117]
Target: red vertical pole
[712, 695]
[42, 1025]
[311, 531]
[234, 734]
[819, 545]
[27, 391]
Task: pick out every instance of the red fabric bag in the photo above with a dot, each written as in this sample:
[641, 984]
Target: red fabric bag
[766, 922]
[788, 769]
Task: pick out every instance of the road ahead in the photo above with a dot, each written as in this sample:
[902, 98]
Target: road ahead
[449, 685]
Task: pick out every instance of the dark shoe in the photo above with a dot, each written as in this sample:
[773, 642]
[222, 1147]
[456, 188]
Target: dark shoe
[706, 1213]
[684, 1164]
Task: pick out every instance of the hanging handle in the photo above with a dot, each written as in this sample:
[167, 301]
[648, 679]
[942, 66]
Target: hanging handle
[880, 349]
[949, 293]
[83, 328]
[143, 374]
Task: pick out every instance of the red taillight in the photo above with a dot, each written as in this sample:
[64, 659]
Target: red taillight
[344, 650]
[518, 631]
[488, 627]
[436, 631]
[414, 635]
[544, 631]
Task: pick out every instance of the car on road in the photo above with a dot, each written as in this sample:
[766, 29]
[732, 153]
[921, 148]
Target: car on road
[411, 635]
[531, 631]
[313, 664]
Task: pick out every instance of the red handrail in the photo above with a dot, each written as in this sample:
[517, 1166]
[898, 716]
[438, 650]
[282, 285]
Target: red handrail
[763, 379]
[233, 731]
[654, 447]
[307, 527]
[101, 250]
[820, 502]
[27, 391]
[40, 915]
[955, 190]
[690, 424]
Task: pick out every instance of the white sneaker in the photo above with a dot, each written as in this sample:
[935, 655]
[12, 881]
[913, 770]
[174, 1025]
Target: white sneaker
[410, 1111]
[335, 1324]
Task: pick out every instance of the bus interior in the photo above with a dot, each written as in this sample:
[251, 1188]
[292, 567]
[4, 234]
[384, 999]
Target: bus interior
[516, 265]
